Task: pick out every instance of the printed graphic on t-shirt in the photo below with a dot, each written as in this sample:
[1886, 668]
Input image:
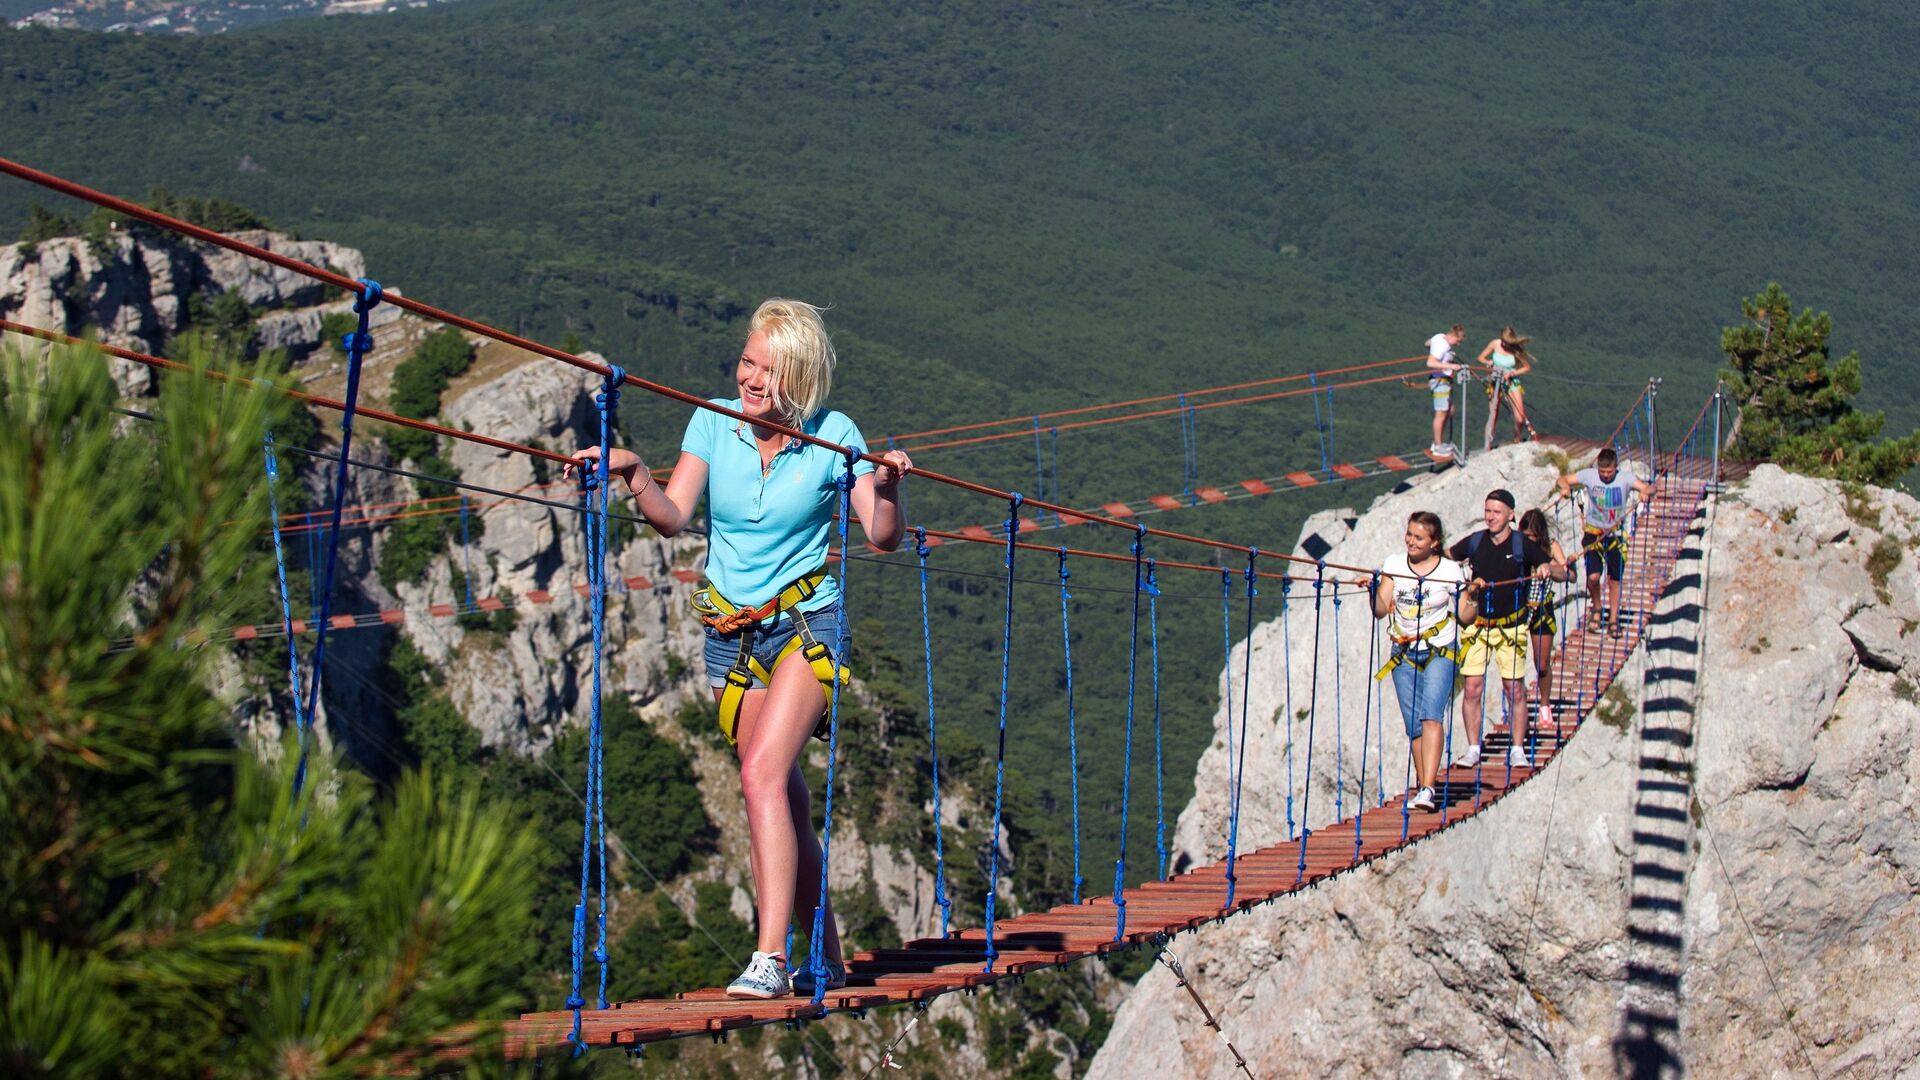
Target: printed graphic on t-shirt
[1606, 501]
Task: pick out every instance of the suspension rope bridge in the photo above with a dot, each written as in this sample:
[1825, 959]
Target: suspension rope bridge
[1134, 912]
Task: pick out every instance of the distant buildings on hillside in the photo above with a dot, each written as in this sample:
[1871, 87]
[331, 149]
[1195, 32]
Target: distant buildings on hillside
[203, 17]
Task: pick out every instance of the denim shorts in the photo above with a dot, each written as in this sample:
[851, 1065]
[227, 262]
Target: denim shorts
[769, 638]
[1605, 552]
[1424, 692]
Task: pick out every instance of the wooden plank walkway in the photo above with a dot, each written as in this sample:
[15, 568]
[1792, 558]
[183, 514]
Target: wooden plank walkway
[928, 967]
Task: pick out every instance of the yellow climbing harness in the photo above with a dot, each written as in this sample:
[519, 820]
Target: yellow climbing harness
[726, 617]
[1403, 645]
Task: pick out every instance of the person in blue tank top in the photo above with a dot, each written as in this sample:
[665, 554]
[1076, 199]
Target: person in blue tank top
[771, 610]
[1507, 359]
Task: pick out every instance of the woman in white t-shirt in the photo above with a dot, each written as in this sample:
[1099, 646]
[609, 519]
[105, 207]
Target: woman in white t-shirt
[1425, 598]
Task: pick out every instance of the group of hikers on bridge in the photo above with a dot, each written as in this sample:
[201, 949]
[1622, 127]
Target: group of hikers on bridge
[771, 498]
[1488, 602]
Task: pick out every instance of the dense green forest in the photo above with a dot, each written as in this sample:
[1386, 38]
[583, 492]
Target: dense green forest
[1012, 210]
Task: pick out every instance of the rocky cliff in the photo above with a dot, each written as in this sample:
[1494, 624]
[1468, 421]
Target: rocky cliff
[1718, 876]
[517, 689]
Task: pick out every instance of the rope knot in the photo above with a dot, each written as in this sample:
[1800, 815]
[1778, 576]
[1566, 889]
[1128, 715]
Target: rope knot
[370, 296]
[356, 342]
[1015, 501]
[920, 547]
[609, 396]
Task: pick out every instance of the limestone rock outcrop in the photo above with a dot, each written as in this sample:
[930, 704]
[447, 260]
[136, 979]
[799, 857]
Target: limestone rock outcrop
[1721, 874]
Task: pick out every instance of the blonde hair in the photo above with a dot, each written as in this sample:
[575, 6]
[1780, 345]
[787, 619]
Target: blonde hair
[802, 356]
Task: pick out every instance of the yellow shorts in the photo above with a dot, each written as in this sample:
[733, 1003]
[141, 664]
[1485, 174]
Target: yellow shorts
[1505, 645]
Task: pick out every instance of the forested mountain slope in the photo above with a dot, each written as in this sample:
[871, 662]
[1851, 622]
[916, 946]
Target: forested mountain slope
[1012, 210]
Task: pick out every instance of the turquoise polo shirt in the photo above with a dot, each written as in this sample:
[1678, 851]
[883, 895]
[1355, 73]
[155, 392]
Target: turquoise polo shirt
[770, 528]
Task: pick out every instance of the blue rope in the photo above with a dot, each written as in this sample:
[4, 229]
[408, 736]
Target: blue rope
[280, 567]
[1286, 633]
[1339, 723]
[593, 831]
[933, 745]
[1159, 770]
[1246, 708]
[816, 944]
[1126, 767]
[358, 344]
[1379, 715]
[1073, 739]
[1313, 713]
[1014, 500]
[466, 551]
[1366, 713]
[1226, 697]
[1444, 789]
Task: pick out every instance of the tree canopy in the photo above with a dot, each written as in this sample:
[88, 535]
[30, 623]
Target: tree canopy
[1796, 399]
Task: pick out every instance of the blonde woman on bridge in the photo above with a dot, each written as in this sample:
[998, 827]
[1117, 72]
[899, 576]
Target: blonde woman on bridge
[772, 612]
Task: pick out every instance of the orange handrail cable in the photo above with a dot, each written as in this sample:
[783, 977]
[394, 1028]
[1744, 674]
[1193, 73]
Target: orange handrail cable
[340, 281]
[1274, 396]
[1027, 419]
[335, 404]
[164, 364]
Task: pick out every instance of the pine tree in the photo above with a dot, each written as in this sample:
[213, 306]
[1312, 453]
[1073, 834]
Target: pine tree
[167, 904]
[1796, 401]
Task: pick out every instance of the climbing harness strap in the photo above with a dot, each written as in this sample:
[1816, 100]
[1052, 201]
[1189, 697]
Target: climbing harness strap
[1403, 647]
[1500, 623]
[726, 617]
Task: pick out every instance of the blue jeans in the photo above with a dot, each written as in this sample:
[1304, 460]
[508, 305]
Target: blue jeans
[1424, 692]
[769, 638]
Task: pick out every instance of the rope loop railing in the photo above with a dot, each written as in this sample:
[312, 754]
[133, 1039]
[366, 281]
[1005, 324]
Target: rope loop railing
[1014, 501]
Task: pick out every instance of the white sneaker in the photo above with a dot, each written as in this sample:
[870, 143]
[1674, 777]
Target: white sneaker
[1422, 800]
[1517, 759]
[765, 977]
[1469, 759]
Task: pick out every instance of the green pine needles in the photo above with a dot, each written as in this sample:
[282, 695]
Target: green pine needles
[1796, 401]
[167, 906]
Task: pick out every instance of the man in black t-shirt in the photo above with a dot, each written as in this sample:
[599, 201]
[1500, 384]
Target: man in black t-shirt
[1498, 553]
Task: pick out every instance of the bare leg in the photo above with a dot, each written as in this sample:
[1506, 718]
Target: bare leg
[1519, 404]
[1595, 612]
[1440, 427]
[1472, 689]
[1613, 600]
[1543, 667]
[771, 739]
[806, 894]
[1427, 750]
[1517, 710]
